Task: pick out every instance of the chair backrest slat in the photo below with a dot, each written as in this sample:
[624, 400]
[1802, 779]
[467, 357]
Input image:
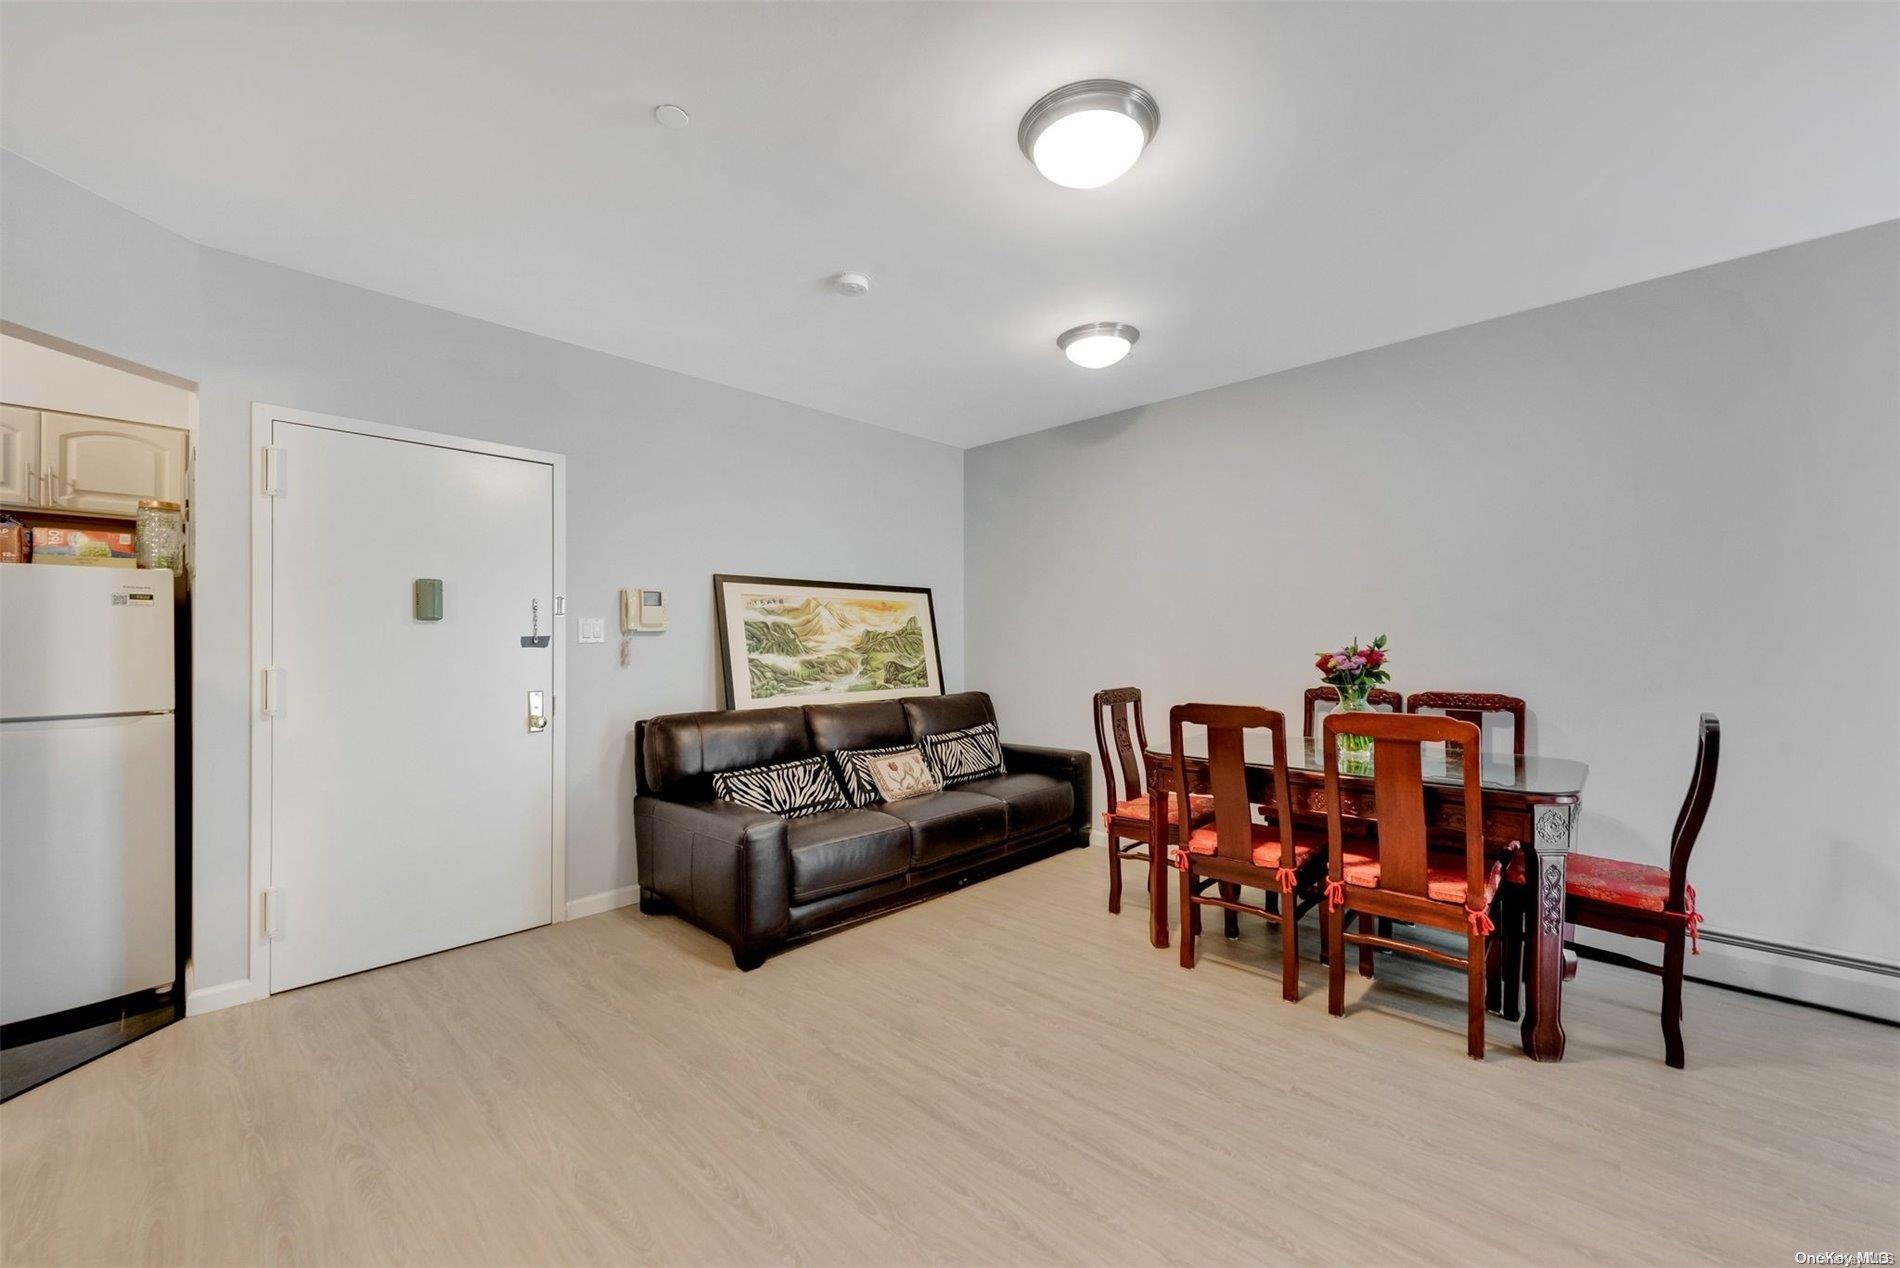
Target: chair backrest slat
[1117, 709]
[1472, 706]
[1398, 796]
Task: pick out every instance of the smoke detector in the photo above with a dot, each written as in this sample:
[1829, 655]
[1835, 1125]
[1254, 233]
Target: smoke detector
[851, 284]
[671, 117]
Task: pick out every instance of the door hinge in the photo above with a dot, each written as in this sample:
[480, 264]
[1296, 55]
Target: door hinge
[273, 471]
[272, 704]
[273, 914]
[560, 605]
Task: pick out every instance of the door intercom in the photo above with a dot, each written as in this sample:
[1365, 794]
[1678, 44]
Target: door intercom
[642, 611]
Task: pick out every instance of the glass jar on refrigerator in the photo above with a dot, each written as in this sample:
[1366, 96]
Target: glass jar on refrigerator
[161, 535]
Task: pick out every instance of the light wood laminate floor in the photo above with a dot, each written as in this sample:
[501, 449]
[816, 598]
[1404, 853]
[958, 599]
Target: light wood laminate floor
[1004, 1075]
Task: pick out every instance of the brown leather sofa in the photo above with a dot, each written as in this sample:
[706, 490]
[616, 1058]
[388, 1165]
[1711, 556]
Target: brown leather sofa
[761, 881]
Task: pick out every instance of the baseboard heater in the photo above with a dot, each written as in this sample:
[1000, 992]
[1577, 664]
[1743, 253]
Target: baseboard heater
[1835, 958]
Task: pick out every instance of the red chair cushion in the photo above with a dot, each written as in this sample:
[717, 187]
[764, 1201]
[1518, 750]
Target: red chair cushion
[1444, 875]
[1615, 881]
[1266, 844]
[1609, 881]
[1200, 807]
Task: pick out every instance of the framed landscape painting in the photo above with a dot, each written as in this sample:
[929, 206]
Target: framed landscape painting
[786, 642]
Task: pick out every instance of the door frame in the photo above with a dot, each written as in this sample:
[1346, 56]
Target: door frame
[262, 543]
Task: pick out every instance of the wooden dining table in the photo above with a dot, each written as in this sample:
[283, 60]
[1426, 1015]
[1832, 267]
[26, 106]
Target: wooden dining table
[1534, 802]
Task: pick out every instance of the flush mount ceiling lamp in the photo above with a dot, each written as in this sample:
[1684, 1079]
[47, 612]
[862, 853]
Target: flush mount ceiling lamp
[1099, 344]
[1085, 134]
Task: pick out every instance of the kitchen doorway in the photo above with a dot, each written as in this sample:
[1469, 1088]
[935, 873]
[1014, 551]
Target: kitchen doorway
[97, 471]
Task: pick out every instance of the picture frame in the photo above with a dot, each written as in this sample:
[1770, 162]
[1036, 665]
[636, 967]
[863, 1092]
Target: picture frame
[787, 641]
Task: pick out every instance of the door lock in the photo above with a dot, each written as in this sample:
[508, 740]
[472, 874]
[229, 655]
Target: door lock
[537, 714]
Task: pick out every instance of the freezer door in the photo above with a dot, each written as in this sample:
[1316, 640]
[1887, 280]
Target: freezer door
[77, 640]
[87, 862]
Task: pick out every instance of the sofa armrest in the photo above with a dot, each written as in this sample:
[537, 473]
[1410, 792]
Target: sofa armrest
[725, 866]
[1059, 763]
[726, 821]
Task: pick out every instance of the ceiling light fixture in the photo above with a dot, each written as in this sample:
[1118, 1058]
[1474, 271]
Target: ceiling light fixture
[1099, 344]
[1084, 135]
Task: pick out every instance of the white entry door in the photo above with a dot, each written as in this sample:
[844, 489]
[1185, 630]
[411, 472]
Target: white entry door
[412, 796]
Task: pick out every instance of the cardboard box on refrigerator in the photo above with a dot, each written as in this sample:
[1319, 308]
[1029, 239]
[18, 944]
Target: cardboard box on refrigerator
[84, 547]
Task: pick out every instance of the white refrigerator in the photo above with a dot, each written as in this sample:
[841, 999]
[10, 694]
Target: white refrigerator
[87, 794]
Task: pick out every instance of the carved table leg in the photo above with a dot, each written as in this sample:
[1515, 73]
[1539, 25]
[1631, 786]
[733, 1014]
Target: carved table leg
[1553, 830]
[1158, 805]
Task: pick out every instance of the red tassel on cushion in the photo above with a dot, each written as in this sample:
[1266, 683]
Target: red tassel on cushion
[1287, 877]
[1335, 895]
[1480, 920]
[1695, 919]
[1179, 858]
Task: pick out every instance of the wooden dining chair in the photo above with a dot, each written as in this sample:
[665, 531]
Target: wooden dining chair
[1377, 698]
[1472, 706]
[1118, 718]
[1636, 900]
[1398, 874]
[1281, 858]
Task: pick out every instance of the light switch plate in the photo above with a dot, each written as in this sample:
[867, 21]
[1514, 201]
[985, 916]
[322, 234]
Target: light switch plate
[593, 629]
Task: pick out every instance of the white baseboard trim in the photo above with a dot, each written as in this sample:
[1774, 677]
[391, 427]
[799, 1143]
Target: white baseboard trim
[209, 999]
[594, 904]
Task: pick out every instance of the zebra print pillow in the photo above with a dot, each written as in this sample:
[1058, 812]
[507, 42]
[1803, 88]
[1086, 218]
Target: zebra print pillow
[854, 772]
[960, 756]
[793, 789]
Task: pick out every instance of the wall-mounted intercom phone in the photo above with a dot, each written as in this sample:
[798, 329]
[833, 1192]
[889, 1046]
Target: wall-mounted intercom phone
[642, 611]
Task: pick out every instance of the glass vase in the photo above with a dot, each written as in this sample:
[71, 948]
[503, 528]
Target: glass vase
[1353, 700]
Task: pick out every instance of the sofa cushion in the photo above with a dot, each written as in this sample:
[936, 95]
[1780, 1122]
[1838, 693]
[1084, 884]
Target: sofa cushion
[960, 756]
[865, 724]
[843, 849]
[1035, 801]
[854, 771]
[933, 715]
[681, 752]
[904, 774]
[945, 824]
[804, 786]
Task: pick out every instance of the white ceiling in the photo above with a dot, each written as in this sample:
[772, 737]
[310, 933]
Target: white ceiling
[1328, 177]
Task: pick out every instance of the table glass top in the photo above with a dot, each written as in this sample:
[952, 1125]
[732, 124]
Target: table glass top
[1539, 776]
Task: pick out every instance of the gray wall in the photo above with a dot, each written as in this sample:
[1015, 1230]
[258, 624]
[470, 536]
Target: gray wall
[1627, 509]
[670, 479]
[92, 272]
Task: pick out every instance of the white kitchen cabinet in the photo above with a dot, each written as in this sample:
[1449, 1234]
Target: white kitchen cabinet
[19, 455]
[103, 465]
